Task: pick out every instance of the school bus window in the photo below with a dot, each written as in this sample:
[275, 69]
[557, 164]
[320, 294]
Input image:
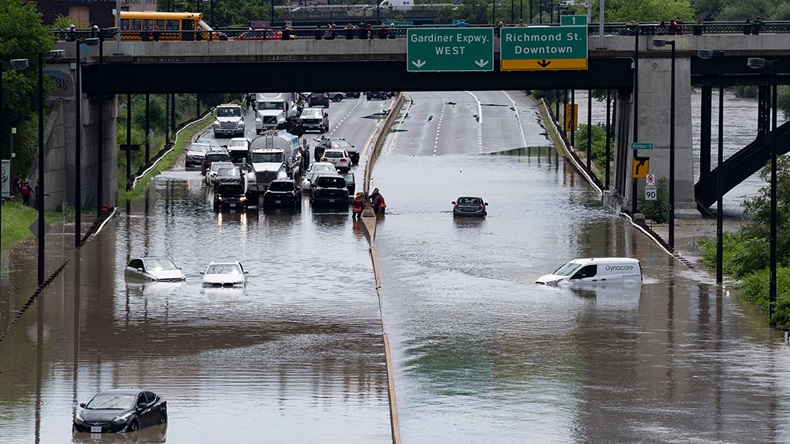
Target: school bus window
[159, 24]
[172, 25]
[124, 25]
[136, 25]
[148, 24]
[187, 25]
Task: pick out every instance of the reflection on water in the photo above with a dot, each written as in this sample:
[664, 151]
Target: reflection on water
[300, 347]
[153, 435]
[480, 351]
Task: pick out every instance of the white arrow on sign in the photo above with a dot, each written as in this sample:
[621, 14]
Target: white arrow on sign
[481, 63]
[418, 63]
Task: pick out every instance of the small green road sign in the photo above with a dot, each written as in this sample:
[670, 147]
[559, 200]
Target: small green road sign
[641, 146]
[543, 48]
[450, 49]
[573, 20]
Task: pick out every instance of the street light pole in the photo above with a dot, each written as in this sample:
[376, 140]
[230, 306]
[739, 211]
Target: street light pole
[59, 53]
[100, 157]
[40, 196]
[708, 54]
[758, 63]
[671, 239]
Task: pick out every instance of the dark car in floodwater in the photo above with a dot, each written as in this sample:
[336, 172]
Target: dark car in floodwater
[230, 195]
[282, 193]
[329, 190]
[120, 410]
[470, 206]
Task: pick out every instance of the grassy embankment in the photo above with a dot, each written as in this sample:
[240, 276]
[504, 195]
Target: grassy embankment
[16, 218]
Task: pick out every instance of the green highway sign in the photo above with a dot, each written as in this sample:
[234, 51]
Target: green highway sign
[641, 146]
[573, 20]
[535, 48]
[449, 49]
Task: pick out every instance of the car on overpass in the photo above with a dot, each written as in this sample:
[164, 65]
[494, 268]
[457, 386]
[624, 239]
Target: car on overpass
[260, 34]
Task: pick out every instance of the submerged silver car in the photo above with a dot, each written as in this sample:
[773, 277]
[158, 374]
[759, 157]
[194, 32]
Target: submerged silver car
[154, 269]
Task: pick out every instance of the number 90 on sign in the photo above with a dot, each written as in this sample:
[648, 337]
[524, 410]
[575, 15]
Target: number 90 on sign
[650, 192]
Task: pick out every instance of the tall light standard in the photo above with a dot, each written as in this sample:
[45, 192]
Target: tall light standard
[758, 63]
[100, 117]
[708, 54]
[17, 64]
[54, 54]
[671, 145]
[78, 141]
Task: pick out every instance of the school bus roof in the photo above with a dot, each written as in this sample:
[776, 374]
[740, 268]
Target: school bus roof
[160, 15]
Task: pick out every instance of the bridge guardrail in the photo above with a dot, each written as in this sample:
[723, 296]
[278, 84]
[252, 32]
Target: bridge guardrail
[339, 33]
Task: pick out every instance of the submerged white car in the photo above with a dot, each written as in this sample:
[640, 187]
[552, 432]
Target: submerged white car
[153, 269]
[225, 274]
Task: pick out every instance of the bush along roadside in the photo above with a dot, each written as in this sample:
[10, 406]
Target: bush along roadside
[747, 252]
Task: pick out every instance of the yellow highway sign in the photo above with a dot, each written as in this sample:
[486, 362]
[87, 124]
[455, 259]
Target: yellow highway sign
[639, 167]
[543, 65]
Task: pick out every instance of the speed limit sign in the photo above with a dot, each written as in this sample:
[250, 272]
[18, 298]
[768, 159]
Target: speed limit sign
[650, 179]
[650, 192]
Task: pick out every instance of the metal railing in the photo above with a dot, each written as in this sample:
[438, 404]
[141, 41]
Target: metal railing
[339, 33]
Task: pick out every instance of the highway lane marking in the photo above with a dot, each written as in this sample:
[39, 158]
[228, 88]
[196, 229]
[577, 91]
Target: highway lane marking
[479, 120]
[402, 118]
[518, 119]
[375, 133]
[346, 116]
[439, 126]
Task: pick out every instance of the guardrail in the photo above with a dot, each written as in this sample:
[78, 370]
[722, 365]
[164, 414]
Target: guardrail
[340, 33]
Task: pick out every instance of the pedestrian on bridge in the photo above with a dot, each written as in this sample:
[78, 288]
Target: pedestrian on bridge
[349, 31]
[757, 25]
[697, 28]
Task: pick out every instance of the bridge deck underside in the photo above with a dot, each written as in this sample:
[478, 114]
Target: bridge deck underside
[243, 77]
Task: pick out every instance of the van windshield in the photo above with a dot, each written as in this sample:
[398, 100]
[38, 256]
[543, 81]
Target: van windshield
[567, 269]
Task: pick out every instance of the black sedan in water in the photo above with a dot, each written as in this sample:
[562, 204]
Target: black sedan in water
[283, 193]
[469, 206]
[121, 410]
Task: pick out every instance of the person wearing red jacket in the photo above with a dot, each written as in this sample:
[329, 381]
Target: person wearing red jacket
[377, 200]
[357, 205]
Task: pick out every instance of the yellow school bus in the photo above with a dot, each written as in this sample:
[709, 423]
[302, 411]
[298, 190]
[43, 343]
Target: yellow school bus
[166, 26]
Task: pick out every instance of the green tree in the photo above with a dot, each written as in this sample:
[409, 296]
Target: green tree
[644, 10]
[757, 210]
[737, 10]
[707, 10]
[22, 35]
[471, 11]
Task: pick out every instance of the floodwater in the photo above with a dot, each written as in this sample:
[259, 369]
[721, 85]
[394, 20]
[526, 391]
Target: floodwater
[480, 352]
[296, 356]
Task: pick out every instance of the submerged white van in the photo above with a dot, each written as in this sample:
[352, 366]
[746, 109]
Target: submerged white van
[595, 270]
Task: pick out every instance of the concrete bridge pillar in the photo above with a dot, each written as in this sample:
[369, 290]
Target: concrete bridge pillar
[653, 120]
[60, 156]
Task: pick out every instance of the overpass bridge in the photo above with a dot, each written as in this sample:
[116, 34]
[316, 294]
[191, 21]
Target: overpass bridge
[638, 71]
